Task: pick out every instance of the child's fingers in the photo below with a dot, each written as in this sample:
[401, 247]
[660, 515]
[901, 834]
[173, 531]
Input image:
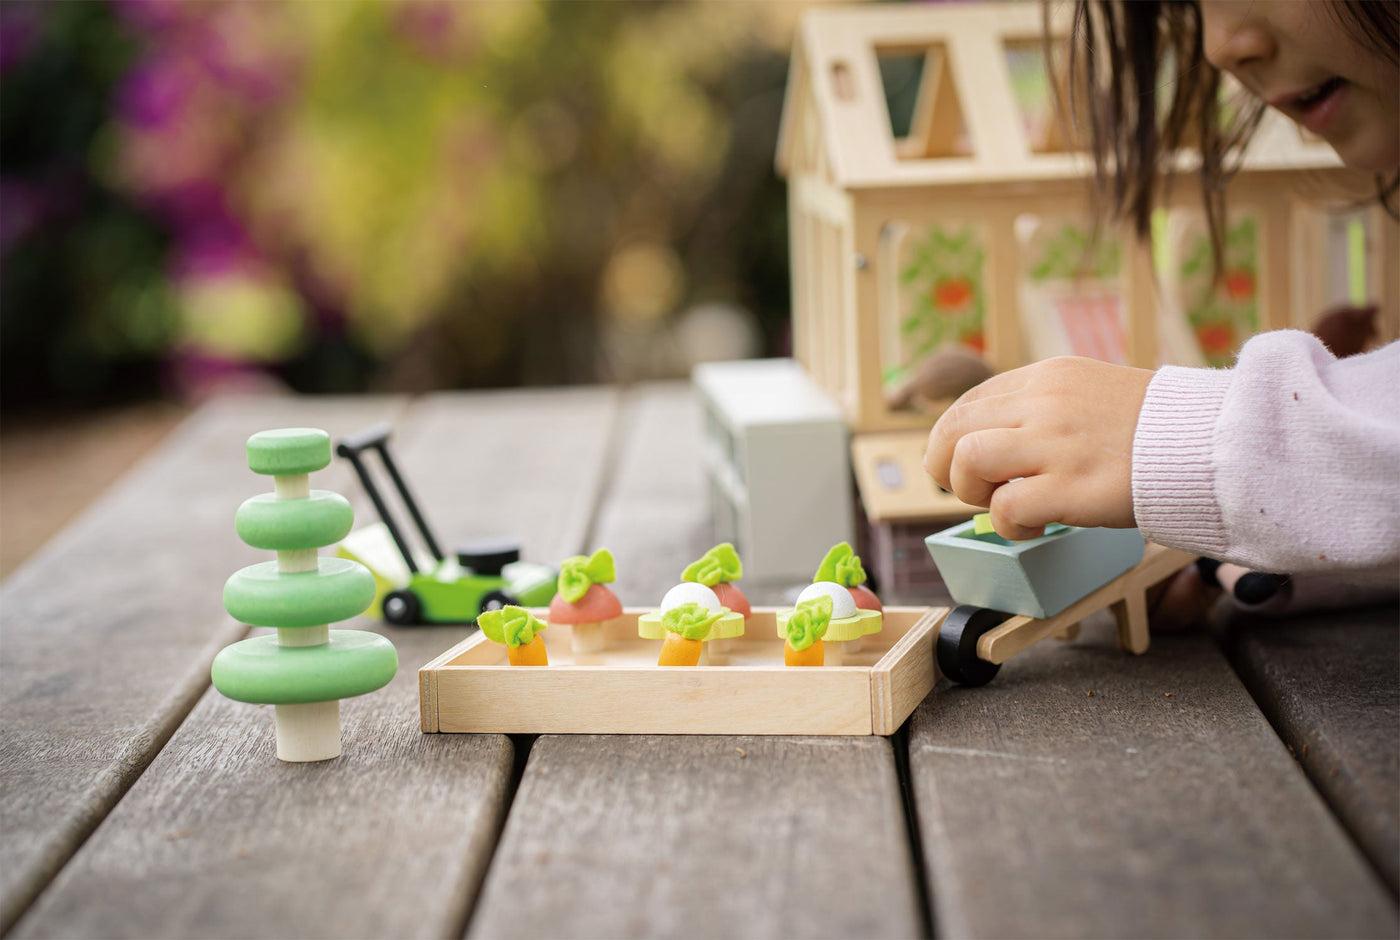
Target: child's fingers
[1023, 508]
[984, 460]
[1002, 383]
[962, 419]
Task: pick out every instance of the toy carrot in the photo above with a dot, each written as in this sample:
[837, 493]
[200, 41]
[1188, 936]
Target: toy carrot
[855, 610]
[687, 626]
[584, 601]
[519, 631]
[843, 566]
[718, 569]
[805, 629]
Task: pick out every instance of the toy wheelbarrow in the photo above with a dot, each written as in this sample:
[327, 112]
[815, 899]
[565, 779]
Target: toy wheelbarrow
[1011, 595]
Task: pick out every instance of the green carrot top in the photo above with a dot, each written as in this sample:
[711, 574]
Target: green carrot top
[692, 621]
[513, 626]
[578, 574]
[841, 565]
[719, 564]
[808, 622]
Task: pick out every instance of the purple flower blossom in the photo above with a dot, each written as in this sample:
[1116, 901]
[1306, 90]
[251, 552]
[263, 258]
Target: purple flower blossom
[19, 31]
[153, 94]
[209, 238]
[21, 208]
[428, 25]
[222, 45]
[151, 16]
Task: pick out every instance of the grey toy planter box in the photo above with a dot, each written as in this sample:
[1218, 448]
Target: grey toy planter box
[1036, 578]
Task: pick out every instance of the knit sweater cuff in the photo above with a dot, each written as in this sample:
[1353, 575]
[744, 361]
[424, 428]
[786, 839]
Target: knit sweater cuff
[1174, 498]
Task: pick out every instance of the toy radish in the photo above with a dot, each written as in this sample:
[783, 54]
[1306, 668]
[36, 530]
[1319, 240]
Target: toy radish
[718, 569]
[584, 601]
[842, 565]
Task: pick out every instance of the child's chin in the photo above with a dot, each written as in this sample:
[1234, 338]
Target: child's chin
[1370, 151]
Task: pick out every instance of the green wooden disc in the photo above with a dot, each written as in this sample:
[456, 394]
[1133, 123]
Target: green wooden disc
[260, 671]
[727, 627]
[864, 623]
[262, 596]
[288, 451]
[323, 518]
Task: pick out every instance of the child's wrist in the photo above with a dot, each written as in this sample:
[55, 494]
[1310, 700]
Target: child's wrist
[1173, 474]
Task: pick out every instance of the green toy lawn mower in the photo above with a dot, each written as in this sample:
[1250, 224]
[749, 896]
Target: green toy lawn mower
[484, 574]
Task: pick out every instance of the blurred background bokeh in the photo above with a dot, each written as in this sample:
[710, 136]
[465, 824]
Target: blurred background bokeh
[398, 196]
[377, 196]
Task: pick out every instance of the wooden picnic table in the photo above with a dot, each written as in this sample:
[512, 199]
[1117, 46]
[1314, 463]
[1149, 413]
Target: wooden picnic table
[1241, 784]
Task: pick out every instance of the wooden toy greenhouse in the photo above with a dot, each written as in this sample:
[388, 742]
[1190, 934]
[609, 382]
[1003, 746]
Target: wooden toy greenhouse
[935, 203]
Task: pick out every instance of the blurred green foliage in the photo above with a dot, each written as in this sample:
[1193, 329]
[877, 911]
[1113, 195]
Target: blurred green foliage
[84, 306]
[359, 195]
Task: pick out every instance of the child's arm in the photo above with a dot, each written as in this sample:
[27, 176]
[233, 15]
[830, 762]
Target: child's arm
[1229, 464]
[1290, 462]
[1063, 426]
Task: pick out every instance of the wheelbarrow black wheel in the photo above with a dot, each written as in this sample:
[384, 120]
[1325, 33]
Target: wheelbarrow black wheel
[957, 645]
[401, 607]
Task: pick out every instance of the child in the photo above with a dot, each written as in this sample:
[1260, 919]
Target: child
[1289, 462]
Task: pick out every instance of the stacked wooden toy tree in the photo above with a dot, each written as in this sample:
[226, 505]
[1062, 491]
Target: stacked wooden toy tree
[306, 667]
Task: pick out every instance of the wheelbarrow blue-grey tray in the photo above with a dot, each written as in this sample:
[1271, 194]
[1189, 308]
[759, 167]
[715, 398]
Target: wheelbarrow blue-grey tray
[1035, 578]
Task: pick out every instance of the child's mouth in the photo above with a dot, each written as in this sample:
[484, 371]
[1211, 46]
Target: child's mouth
[1316, 107]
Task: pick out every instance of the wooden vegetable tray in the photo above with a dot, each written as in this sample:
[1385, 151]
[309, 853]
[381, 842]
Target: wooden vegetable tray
[471, 688]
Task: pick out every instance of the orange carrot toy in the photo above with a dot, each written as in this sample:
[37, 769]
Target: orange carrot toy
[687, 627]
[805, 629]
[519, 631]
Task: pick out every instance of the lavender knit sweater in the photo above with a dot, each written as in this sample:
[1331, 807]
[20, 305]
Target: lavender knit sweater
[1289, 462]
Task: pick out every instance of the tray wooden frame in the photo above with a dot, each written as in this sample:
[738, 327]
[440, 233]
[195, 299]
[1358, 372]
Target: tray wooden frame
[470, 688]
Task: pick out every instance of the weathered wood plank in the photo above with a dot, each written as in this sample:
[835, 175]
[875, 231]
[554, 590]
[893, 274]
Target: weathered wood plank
[655, 506]
[218, 838]
[528, 464]
[695, 836]
[1089, 793]
[638, 836]
[654, 514]
[109, 631]
[1330, 685]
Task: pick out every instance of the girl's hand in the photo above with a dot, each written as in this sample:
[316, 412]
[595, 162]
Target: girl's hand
[1049, 442]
